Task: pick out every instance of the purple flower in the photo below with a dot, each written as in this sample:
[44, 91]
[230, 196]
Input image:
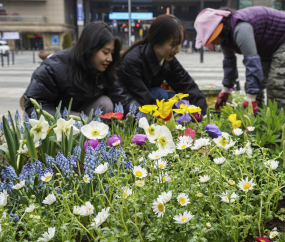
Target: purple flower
[213, 131]
[139, 139]
[181, 120]
[198, 117]
[186, 102]
[113, 139]
[92, 142]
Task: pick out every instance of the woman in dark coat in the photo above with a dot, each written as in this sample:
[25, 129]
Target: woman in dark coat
[148, 62]
[258, 33]
[85, 72]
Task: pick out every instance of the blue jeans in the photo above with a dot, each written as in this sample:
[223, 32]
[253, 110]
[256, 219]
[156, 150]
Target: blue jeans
[159, 93]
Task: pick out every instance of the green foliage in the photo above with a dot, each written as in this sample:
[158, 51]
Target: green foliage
[67, 41]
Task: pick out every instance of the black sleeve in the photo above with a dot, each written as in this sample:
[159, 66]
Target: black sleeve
[131, 76]
[118, 93]
[44, 89]
[181, 82]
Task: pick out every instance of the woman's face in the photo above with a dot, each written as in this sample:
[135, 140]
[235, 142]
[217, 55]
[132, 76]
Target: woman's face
[103, 57]
[167, 50]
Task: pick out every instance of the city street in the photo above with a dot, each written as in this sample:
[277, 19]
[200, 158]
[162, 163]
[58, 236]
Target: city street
[14, 79]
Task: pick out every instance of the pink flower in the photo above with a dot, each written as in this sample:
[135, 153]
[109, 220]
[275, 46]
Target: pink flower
[261, 239]
[189, 132]
[93, 142]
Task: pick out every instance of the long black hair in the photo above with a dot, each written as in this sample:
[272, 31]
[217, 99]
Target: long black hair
[162, 29]
[227, 23]
[93, 38]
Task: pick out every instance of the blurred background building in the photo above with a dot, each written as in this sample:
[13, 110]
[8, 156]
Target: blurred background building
[40, 24]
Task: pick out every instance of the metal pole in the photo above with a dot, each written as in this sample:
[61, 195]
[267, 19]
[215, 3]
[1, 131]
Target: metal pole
[13, 57]
[130, 21]
[34, 60]
[2, 59]
[8, 58]
[202, 48]
[21, 43]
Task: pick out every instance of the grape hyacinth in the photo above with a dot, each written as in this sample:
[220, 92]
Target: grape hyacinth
[34, 115]
[97, 115]
[78, 124]
[17, 118]
[77, 152]
[65, 113]
[6, 185]
[66, 164]
[9, 173]
[139, 115]
[28, 173]
[133, 109]
[118, 108]
[50, 160]
[29, 126]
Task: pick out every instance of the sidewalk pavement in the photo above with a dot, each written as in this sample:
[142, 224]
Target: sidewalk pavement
[14, 79]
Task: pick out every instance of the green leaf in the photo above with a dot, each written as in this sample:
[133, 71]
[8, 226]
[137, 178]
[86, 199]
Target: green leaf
[6, 151]
[30, 143]
[69, 107]
[90, 116]
[70, 140]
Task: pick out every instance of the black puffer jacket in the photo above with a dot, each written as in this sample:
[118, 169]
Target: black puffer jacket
[140, 70]
[50, 84]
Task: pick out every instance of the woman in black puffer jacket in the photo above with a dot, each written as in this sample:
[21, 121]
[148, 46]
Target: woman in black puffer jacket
[85, 72]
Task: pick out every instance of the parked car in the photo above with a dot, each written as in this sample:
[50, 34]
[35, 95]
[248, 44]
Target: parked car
[4, 47]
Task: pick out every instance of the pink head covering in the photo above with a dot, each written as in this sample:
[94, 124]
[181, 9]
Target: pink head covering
[205, 24]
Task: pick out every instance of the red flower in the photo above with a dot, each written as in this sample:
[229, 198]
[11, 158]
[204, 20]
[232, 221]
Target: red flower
[167, 118]
[189, 132]
[261, 239]
[117, 115]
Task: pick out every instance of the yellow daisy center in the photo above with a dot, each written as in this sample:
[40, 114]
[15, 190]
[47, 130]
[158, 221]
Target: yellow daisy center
[156, 156]
[125, 195]
[151, 130]
[246, 186]
[160, 207]
[162, 140]
[138, 173]
[231, 182]
[226, 198]
[161, 166]
[164, 178]
[85, 178]
[95, 132]
[199, 195]
[183, 219]
[183, 146]
[48, 178]
[223, 142]
[182, 200]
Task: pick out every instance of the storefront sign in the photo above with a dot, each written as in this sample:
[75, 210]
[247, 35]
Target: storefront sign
[80, 16]
[55, 39]
[11, 35]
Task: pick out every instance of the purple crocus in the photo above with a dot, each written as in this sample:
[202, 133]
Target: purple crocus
[92, 142]
[213, 131]
[198, 117]
[139, 139]
[181, 119]
[186, 102]
[113, 139]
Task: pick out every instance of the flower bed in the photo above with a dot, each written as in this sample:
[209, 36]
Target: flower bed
[68, 178]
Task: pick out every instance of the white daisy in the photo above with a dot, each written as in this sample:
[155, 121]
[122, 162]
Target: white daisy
[102, 168]
[248, 149]
[164, 177]
[239, 151]
[3, 198]
[50, 199]
[139, 172]
[87, 209]
[200, 143]
[183, 218]
[95, 130]
[161, 163]
[86, 178]
[165, 152]
[154, 155]
[30, 209]
[39, 128]
[246, 185]
[126, 192]
[237, 132]
[272, 164]
[139, 183]
[219, 161]
[20, 185]
[165, 197]
[273, 233]
[224, 141]
[226, 197]
[184, 142]
[204, 178]
[158, 207]
[250, 128]
[64, 127]
[76, 210]
[47, 236]
[101, 217]
[47, 177]
[180, 127]
[183, 199]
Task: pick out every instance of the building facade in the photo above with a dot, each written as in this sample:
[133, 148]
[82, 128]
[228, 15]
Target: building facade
[40, 24]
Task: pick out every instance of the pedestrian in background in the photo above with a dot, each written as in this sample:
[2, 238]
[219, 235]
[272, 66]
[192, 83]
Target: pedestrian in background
[150, 61]
[85, 72]
[259, 34]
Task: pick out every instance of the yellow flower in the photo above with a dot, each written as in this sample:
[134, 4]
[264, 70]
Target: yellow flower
[233, 119]
[185, 108]
[178, 96]
[164, 108]
[148, 109]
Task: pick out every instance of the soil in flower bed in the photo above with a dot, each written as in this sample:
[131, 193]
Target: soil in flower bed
[275, 222]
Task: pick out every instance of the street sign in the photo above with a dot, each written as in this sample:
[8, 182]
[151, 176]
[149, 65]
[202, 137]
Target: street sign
[55, 39]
